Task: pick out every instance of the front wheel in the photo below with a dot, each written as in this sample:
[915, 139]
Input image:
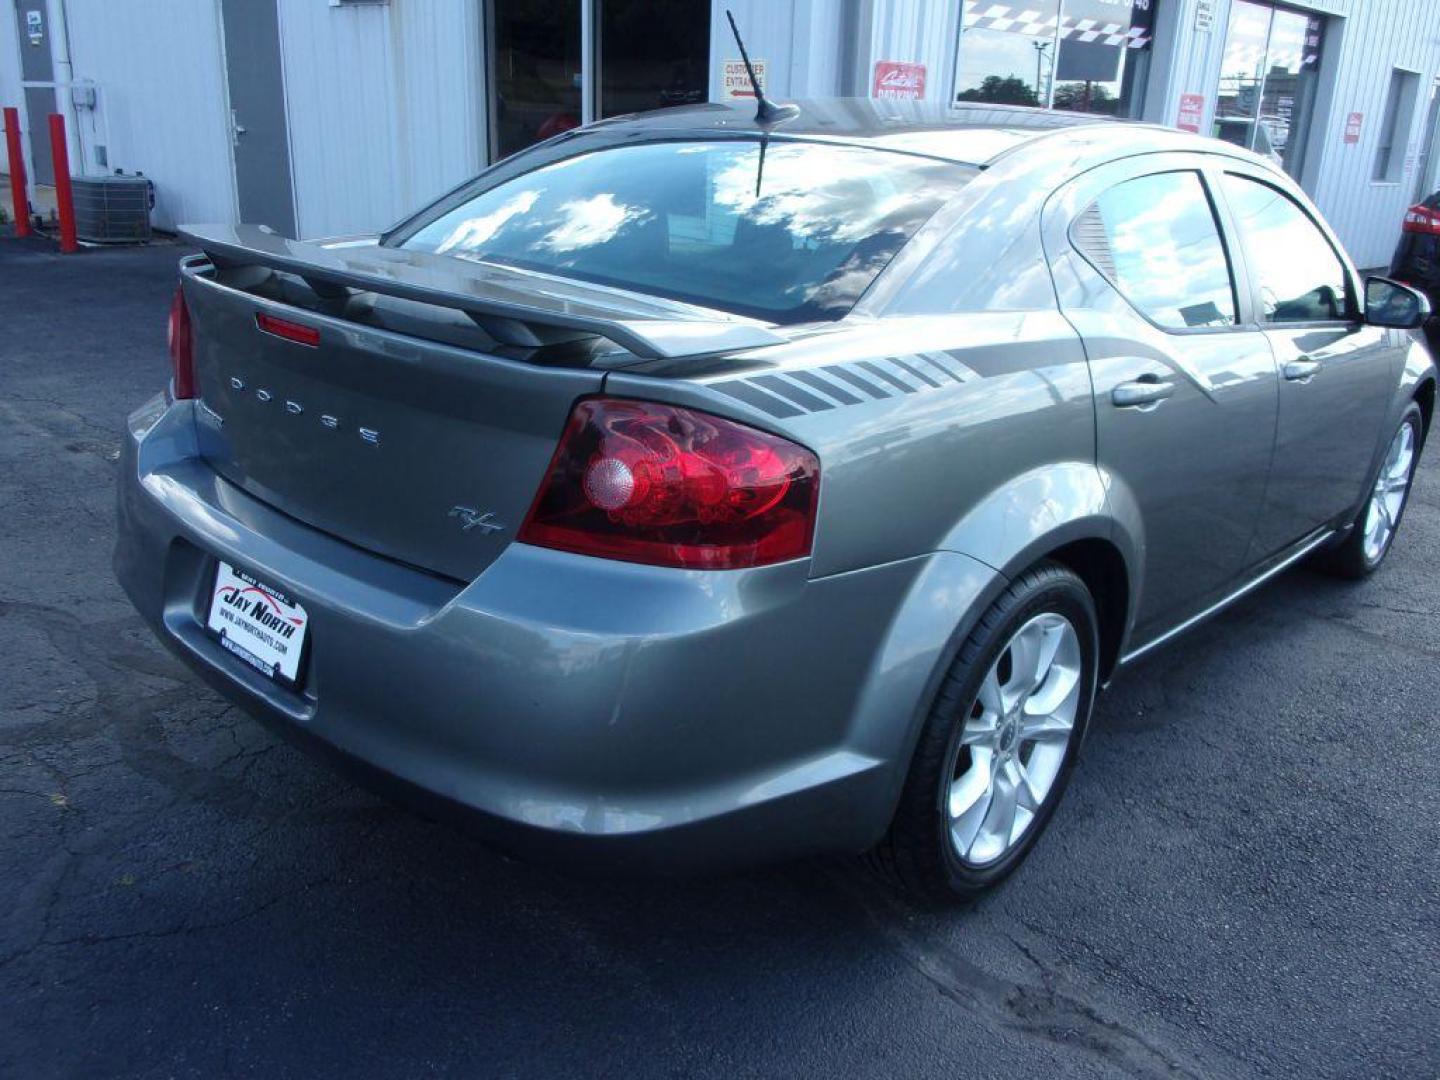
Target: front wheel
[1374, 529]
[998, 746]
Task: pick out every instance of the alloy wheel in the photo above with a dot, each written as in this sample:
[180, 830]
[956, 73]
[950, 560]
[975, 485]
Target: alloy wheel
[1387, 498]
[1015, 738]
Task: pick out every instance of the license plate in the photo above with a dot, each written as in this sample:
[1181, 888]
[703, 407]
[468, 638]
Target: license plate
[257, 623]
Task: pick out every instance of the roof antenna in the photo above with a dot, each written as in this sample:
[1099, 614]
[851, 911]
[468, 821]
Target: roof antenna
[766, 111]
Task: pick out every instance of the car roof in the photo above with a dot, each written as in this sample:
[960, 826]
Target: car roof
[965, 132]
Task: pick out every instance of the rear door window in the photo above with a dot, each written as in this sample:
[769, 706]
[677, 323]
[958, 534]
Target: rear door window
[1156, 239]
[788, 232]
[1296, 271]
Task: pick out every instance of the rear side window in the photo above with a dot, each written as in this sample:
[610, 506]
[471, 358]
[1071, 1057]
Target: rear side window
[1156, 239]
[1297, 273]
[788, 232]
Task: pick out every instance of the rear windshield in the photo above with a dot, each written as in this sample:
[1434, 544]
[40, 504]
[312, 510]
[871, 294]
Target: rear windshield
[702, 222]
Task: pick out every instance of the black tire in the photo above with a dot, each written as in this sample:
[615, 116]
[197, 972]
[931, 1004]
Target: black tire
[917, 853]
[1350, 559]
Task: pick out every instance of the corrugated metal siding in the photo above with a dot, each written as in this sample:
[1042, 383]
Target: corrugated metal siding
[916, 33]
[1380, 35]
[824, 48]
[161, 100]
[801, 43]
[385, 106]
[1365, 40]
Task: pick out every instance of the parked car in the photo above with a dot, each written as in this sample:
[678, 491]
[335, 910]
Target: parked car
[1417, 256]
[689, 491]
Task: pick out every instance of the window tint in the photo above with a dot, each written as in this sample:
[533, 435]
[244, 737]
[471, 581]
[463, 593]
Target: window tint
[1297, 272]
[1157, 240]
[790, 232]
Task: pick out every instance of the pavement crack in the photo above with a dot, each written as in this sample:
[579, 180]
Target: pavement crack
[1040, 1010]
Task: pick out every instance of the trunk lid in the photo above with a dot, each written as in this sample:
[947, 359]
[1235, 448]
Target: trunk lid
[417, 450]
[420, 422]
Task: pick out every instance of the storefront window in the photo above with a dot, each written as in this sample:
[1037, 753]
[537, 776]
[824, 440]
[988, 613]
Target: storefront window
[648, 56]
[1081, 55]
[1268, 80]
[536, 71]
[653, 55]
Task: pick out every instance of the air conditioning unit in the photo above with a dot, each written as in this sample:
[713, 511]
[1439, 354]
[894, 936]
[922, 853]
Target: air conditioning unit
[113, 209]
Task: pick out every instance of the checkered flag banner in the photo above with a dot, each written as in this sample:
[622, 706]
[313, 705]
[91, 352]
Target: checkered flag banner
[1020, 19]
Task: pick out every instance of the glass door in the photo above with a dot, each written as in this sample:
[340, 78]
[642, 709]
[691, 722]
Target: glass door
[536, 72]
[652, 55]
[1269, 75]
[555, 64]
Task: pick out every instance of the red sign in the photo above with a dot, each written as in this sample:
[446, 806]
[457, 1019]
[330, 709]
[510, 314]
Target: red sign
[898, 79]
[1352, 127]
[1192, 112]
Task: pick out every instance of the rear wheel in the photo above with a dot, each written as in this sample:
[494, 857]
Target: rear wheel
[1374, 529]
[998, 746]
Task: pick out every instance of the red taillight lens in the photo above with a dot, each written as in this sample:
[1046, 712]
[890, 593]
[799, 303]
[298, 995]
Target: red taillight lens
[290, 331]
[182, 347]
[1421, 219]
[658, 484]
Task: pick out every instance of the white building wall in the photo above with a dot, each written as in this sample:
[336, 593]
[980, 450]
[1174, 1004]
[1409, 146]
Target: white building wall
[915, 33]
[161, 101]
[802, 44]
[387, 102]
[1364, 40]
[385, 105]
[1380, 35]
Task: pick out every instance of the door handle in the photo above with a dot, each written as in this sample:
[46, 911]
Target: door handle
[1301, 369]
[1146, 391]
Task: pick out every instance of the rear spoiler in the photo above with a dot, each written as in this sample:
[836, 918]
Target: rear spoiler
[514, 306]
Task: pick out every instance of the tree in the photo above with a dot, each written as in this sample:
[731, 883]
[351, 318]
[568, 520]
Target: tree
[1002, 90]
[1071, 95]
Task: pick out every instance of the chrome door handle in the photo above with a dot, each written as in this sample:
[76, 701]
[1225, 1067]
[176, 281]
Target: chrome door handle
[1141, 392]
[1301, 369]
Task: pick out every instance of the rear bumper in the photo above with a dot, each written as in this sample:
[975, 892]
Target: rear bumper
[623, 714]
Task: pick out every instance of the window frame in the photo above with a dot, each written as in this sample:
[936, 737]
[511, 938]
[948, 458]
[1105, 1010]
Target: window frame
[1240, 294]
[1401, 98]
[1241, 170]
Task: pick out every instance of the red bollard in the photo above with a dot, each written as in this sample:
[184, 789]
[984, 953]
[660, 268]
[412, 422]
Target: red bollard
[63, 200]
[17, 172]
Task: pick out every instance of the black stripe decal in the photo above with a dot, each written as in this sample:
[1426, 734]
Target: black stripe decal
[966, 371]
[918, 374]
[741, 390]
[865, 386]
[934, 362]
[894, 380]
[806, 400]
[839, 393]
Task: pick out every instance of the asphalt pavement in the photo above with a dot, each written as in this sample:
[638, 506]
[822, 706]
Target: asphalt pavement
[1243, 879]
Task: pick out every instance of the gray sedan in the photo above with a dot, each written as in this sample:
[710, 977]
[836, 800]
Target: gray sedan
[698, 488]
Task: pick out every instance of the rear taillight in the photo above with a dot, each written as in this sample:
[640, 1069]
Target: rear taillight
[658, 484]
[1421, 219]
[182, 348]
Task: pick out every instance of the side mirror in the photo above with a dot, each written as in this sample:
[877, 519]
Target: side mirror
[1389, 303]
